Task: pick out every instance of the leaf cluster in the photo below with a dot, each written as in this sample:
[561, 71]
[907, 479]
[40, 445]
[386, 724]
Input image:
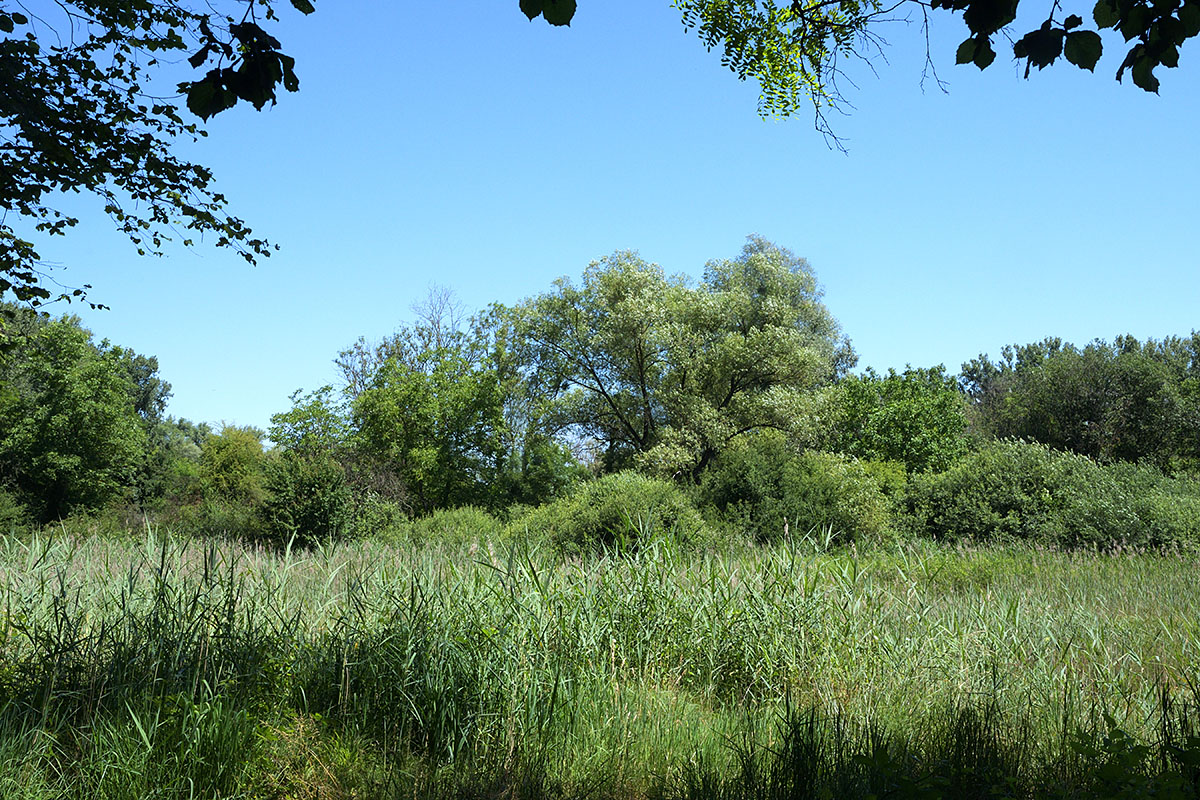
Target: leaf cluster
[78, 113]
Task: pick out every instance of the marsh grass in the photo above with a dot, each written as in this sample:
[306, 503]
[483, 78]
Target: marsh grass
[161, 668]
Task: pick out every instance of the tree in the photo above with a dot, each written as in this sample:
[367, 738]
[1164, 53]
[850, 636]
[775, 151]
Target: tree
[233, 464]
[71, 437]
[78, 115]
[524, 463]
[916, 417]
[307, 494]
[666, 375]
[437, 423]
[1125, 401]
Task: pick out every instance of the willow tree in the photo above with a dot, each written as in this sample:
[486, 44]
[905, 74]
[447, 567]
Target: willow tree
[664, 374]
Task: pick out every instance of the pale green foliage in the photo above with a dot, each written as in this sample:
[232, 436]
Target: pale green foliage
[664, 374]
[622, 511]
[790, 49]
[465, 525]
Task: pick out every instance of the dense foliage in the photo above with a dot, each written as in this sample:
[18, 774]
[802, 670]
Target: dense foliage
[71, 435]
[770, 490]
[1129, 400]
[917, 418]
[664, 375]
[631, 407]
[1014, 490]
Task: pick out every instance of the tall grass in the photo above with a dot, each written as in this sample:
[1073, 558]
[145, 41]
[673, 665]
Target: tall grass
[160, 668]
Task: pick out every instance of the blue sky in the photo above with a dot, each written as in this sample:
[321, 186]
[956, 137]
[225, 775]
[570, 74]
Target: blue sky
[458, 144]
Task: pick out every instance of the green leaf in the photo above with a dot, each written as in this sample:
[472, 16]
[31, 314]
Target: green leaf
[1083, 49]
[303, 6]
[200, 56]
[1135, 23]
[1072, 22]
[1189, 15]
[1105, 14]
[19, 18]
[558, 12]
[531, 8]
[200, 97]
[1042, 47]
[6, 23]
[1143, 75]
[984, 54]
[966, 51]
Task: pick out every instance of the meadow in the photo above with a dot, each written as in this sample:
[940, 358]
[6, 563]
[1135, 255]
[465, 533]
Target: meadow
[151, 666]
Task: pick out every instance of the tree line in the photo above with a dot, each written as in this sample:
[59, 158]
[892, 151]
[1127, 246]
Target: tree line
[736, 389]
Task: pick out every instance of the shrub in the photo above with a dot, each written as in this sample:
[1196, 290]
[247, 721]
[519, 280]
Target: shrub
[1016, 490]
[376, 516]
[462, 525]
[13, 516]
[619, 511]
[307, 498]
[214, 518]
[764, 482]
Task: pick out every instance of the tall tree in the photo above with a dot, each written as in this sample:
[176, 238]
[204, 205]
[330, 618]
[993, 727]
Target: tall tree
[665, 374]
[70, 433]
[1122, 401]
[438, 424]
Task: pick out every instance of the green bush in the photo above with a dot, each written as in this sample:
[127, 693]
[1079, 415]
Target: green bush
[377, 517]
[307, 499]
[1016, 490]
[462, 525]
[764, 484]
[1168, 507]
[619, 511]
[13, 516]
[214, 518]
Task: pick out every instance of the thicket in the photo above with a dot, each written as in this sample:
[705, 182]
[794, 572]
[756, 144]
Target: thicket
[634, 403]
[1012, 490]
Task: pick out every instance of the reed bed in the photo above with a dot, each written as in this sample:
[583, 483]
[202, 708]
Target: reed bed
[155, 667]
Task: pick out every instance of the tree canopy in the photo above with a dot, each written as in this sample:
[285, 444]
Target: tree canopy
[71, 431]
[792, 49]
[77, 114]
[665, 374]
[1128, 400]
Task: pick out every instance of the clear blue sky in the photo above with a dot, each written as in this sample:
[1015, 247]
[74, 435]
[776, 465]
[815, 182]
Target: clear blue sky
[458, 144]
